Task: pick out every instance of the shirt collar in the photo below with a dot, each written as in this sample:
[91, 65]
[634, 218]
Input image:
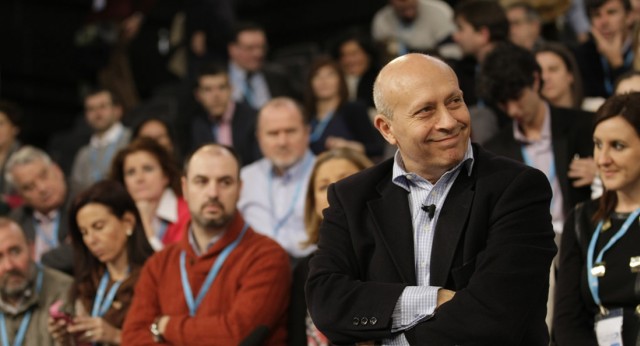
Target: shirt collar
[49, 217]
[194, 243]
[168, 206]
[400, 175]
[545, 132]
[110, 136]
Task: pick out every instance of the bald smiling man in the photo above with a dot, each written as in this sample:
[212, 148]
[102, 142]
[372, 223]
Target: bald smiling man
[443, 244]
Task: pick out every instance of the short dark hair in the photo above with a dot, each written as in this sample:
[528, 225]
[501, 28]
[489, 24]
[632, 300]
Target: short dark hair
[591, 6]
[212, 69]
[485, 13]
[12, 111]
[506, 71]
[530, 12]
[241, 27]
[97, 90]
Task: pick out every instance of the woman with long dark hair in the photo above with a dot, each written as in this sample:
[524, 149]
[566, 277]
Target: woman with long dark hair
[110, 248]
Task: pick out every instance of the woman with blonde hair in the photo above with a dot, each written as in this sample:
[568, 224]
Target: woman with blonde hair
[329, 167]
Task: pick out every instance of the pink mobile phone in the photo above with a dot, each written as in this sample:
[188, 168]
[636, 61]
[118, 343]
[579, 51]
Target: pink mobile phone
[55, 311]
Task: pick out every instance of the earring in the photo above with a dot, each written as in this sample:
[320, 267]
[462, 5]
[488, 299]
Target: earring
[129, 232]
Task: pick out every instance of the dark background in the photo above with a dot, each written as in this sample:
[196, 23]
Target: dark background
[38, 70]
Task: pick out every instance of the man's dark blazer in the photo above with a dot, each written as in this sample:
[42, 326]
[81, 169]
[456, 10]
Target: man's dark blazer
[493, 245]
[571, 133]
[243, 129]
[60, 258]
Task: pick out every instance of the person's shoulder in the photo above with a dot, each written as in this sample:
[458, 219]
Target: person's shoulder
[243, 108]
[254, 169]
[367, 179]
[486, 161]
[261, 246]
[497, 142]
[384, 14]
[573, 113]
[57, 277]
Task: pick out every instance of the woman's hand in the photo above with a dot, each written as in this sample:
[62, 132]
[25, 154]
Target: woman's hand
[58, 330]
[91, 329]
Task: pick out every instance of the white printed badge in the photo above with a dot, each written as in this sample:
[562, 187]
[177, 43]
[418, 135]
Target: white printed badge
[609, 328]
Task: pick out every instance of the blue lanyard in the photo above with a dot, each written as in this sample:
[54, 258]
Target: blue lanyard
[608, 83]
[96, 172]
[279, 223]
[52, 242]
[319, 127]
[22, 330]
[593, 280]
[101, 304]
[211, 277]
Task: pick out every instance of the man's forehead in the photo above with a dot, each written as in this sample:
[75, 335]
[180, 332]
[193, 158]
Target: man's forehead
[213, 163]
[11, 235]
[281, 117]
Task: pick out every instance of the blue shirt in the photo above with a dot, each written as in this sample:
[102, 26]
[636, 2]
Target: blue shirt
[419, 302]
[266, 199]
[259, 89]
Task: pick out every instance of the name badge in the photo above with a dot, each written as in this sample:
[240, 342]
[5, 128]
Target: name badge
[598, 270]
[608, 328]
[634, 264]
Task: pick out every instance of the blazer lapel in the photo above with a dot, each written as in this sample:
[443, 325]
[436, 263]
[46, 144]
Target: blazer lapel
[392, 217]
[449, 229]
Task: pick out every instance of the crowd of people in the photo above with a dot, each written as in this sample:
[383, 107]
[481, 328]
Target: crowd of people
[464, 172]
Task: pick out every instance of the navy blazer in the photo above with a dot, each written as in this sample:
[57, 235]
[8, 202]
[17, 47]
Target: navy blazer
[493, 245]
[571, 134]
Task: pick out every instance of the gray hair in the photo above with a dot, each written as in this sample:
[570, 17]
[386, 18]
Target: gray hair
[379, 99]
[23, 156]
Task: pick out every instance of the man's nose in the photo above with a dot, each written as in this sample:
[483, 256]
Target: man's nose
[446, 120]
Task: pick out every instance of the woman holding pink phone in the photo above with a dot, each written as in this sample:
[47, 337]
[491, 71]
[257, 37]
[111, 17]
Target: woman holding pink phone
[110, 248]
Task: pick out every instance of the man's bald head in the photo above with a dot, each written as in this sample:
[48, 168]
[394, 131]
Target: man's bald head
[398, 75]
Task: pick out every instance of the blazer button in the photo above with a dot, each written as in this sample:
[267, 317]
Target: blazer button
[373, 321]
[356, 321]
[364, 321]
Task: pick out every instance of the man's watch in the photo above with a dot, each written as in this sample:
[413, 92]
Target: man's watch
[155, 332]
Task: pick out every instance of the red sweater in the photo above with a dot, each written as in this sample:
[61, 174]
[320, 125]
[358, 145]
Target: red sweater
[251, 290]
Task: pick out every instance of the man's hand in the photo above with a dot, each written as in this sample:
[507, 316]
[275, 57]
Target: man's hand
[199, 43]
[162, 324]
[610, 48]
[444, 296]
[583, 171]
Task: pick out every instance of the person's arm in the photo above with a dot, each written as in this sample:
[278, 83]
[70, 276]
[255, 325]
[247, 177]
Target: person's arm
[262, 300]
[145, 307]
[336, 293]
[572, 322]
[505, 299]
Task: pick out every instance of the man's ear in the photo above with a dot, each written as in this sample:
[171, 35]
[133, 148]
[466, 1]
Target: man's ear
[383, 124]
